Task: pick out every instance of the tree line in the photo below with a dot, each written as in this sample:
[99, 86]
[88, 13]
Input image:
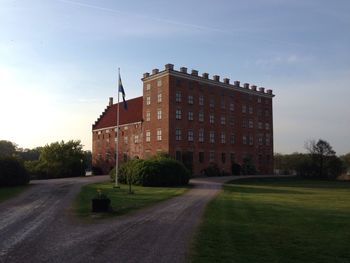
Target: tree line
[55, 160]
[320, 161]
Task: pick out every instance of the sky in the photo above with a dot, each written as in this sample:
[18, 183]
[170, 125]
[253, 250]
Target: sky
[59, 61]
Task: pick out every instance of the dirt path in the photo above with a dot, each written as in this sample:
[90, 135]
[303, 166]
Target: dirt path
[35, 227]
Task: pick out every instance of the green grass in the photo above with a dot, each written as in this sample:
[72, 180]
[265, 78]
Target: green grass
[122, 202]
[10, 192]
[276, 220]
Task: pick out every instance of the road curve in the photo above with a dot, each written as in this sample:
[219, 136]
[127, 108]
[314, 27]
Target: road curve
[37, 226]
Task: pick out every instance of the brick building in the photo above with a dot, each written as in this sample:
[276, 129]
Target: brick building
[193, 118]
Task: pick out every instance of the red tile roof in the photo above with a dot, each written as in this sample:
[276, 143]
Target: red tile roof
[109, 116]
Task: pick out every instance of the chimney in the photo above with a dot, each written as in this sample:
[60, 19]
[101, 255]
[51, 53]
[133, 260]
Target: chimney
[146, 75]
[216, 78]
[253, 87]
[183, 70]
[261, 89]
[155, 71]
[236, 82]
[269, 91]
[110, 101]
[246, 85]
[169, 66]
[205, 75]
[226, 81]
[194, 72]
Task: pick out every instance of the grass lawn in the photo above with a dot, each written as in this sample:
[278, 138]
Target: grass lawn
[9, 192]
[121, 201]
[276, 220]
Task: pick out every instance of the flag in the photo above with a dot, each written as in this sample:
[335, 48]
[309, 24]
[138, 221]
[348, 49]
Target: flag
[121, 90]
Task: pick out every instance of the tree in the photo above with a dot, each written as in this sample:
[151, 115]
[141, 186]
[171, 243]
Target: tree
[248, 167]
[59, 159]
[7, 148]
[346, 160]
[324, 161]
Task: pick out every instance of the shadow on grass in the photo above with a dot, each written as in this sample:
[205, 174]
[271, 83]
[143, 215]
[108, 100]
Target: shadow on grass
[260, 190]
[293, 182]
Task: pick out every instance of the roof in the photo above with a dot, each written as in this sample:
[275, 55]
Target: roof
[109, 116]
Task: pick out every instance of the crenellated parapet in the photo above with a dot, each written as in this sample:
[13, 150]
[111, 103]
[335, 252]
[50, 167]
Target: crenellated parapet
[169, 68]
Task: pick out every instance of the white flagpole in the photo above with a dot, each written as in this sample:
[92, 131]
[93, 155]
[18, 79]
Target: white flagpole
[117, 140]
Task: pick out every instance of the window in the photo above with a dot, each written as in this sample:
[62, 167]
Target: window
[201, 135]
[222, 102]
[251, 124]
[267, 139]
[211, 118]
[223, 120]
[126, 140]
[159, 114]
[223, 157]
[232, 138]
[223, 137]
[250, 110]
[201, 116]
[190, 99]
[266, 113]
[232, 120]
[260, 125]
[211, 156]
[211, 137]
[159, 83]
[267, 126]
[178, 114]
[244, 108]
[136, 139]
[232, 157]
[260, 139]
[159, 134]
[148, 115]
[178, 96]
[232, 106]
[190, 116]
[244, 139]
[259, 112]
[178, 134]
[251, 140]
[201, 100]
[244, 123]
[148, 100]
[148, 136]
[201, 157]
[148, 86]
[211, 103]
[259, 100]
[159, 99]
[190, 136]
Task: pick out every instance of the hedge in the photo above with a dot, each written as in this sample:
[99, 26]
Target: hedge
[156, 171]
[12, 172]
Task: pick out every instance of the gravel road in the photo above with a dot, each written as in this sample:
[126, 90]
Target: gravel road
[37, 226]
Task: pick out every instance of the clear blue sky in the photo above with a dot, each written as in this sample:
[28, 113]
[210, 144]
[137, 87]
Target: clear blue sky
[59, 60]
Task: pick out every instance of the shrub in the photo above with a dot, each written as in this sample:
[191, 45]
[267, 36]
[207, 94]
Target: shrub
[212, 170]
[12, 172]
[235, 169]
[248, 167]
[156, 171]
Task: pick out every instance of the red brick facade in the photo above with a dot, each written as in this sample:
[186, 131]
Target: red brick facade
[200, 120]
